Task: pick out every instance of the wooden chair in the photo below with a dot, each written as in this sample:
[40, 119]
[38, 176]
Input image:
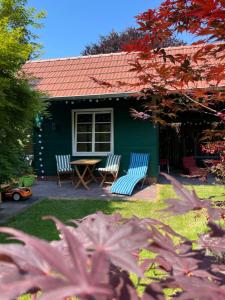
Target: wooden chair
[192, 169]
[111, 168]
[63, 166]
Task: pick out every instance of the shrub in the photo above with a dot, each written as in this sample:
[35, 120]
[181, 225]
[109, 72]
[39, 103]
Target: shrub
[95, 257]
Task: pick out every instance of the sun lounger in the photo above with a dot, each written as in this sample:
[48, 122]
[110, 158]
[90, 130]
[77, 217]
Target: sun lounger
[137, 171]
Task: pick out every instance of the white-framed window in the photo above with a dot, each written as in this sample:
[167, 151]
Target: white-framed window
[92, 132]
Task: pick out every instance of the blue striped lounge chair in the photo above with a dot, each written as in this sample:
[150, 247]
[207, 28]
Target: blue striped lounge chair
[111, 168]
[63, 166]
[137, 171]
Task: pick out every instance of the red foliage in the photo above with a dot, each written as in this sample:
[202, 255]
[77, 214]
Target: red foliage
[215, 147]
[205, 20]
[92, 259]
[195, 78]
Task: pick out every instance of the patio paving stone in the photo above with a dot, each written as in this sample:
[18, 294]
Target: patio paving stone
[49, 189]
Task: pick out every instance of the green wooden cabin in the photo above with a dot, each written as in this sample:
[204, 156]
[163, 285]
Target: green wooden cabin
[89, 119]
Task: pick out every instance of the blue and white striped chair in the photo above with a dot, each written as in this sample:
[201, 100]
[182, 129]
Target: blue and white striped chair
[63, 166]
[111, 168]
[137, 171]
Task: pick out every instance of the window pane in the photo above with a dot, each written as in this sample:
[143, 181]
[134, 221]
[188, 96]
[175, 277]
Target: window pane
[84, 128]
[102, 137]
[84, 137]
[84, 118]
[103, 127]
[84, 147]
[102, 147]
[104, 117]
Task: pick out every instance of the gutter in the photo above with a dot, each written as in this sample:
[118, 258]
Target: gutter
[96, 96]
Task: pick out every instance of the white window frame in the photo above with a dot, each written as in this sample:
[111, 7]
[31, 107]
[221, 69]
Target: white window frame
[74, 130]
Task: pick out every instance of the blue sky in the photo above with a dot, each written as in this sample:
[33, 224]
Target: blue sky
[72, 24]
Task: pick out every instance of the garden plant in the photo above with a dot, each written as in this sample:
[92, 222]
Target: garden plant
[19, 102]
[174, 83]
[111, 257]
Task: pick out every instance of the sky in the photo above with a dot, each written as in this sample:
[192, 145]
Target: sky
[72, 24]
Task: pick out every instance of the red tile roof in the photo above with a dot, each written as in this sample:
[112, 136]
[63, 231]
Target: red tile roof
[72, 76]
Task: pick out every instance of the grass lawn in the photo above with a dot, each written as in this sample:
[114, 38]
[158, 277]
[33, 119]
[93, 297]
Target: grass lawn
[189, 225]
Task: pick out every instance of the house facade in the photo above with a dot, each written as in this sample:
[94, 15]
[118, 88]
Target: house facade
[90, 98]
[88, 119]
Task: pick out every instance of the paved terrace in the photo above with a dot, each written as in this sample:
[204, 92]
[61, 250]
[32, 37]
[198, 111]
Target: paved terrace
[49, 189]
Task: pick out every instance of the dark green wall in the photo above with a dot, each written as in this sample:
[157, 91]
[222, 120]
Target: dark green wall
[129, 135]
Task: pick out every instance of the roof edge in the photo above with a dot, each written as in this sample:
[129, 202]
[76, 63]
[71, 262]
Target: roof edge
[78, 57]
[106, 54]
[94, 96]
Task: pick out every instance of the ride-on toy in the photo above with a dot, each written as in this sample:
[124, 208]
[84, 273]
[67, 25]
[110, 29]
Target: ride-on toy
[17, 193]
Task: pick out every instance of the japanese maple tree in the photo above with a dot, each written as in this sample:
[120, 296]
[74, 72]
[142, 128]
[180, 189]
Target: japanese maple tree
[196, 76]
[96, 255]
[175, 81]
[172, 81]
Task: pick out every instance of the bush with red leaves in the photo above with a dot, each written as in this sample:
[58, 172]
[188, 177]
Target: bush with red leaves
[95, 256]
[216, 167]
[182, 80]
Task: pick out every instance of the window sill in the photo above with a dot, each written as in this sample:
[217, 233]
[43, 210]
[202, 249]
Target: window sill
[91, 153]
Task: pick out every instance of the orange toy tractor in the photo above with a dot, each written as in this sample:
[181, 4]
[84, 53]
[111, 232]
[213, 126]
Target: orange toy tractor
[17, 193]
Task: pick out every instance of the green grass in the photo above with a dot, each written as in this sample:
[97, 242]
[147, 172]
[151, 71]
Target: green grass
[189, 225]
[216, 192]
[192, 223]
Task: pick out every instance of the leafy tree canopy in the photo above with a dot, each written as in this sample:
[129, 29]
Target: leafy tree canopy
[178, 82]
[19, 103]
[196, 78]
[115, 42]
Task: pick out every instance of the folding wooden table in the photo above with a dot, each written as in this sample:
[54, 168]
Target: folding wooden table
[86, 175]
